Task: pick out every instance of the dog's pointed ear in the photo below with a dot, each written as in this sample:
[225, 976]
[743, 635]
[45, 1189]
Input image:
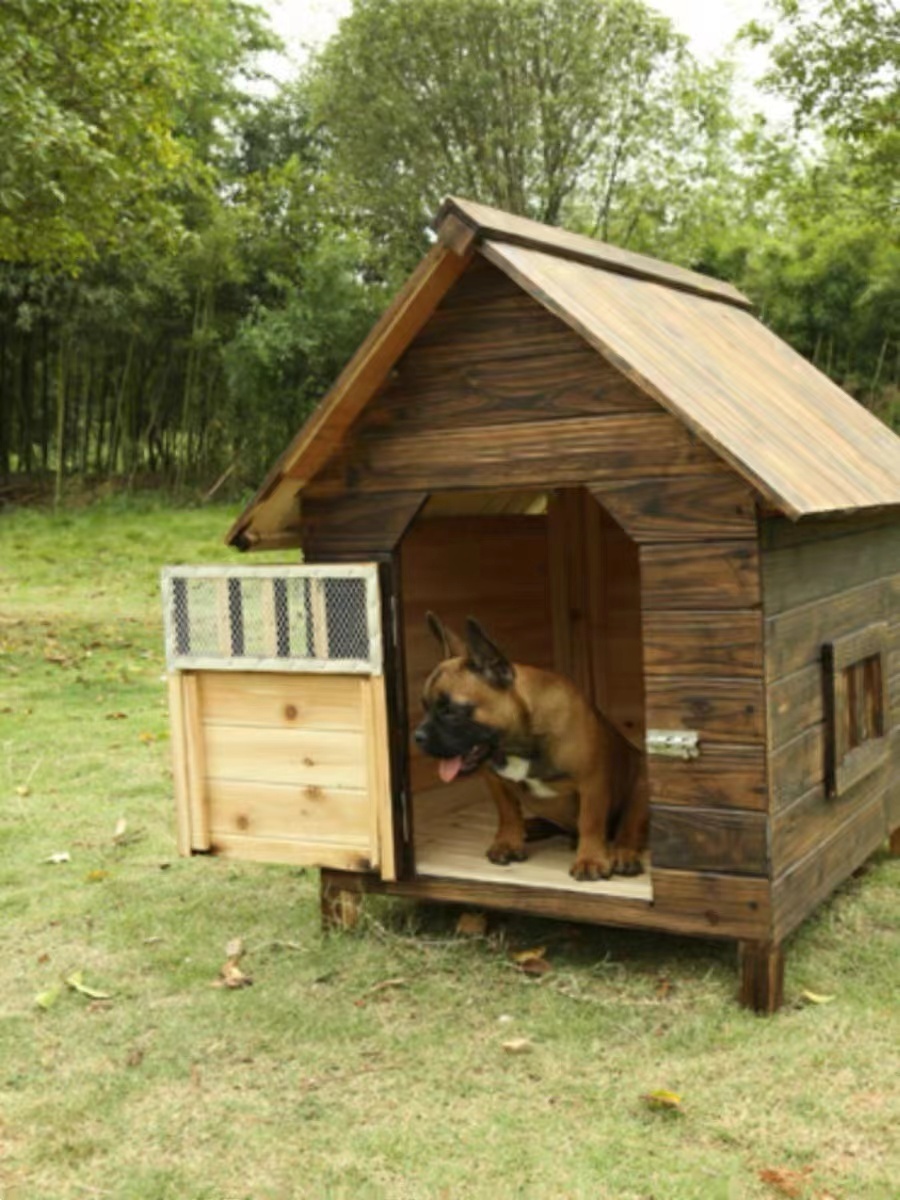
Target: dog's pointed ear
[486, 658]
[451, 644]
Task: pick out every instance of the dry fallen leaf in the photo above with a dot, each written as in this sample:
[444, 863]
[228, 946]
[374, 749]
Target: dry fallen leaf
[234, 949]
[120, 830]
[532, 962]
[472, 924]
[61, 856]
[116, 716]
[46, 1000]
[815, 998]
[96, 876]
[75, 981]
[23, 790]
[519, 1045]
[147, 738]
[661, 1099]
[232, 976]
[788, 1183]
[524, 955]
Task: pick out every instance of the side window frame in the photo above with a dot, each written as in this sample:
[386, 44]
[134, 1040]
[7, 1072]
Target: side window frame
[857, 706]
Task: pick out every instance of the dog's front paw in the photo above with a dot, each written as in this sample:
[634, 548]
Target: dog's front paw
[588, 868]
[627, 861]
[503, 853]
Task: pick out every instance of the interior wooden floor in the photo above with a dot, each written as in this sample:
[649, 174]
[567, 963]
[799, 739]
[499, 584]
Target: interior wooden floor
[455, 823]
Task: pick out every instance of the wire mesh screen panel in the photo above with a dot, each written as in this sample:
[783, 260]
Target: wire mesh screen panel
[305, 618]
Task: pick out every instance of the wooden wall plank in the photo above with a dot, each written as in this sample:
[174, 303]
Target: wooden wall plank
[796, 893]
[723, 710]
[355, 527]
[713, 839]
[722, 777]
[795, 703]
[538, 453]
[708, 904]
[700, 575]
[195, 760]
[684, 508]
[492, 568]
[892, 801]
[797, 766]
[794, 637]
[306, 812]
[797, 574]
[314, 758]
[811, 820]
[562, 378]
[725, 644]
[323, 854]
[288, 701]
[179, 763]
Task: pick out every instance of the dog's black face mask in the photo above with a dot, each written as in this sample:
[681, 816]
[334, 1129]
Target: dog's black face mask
[467, 681]
[451, 734]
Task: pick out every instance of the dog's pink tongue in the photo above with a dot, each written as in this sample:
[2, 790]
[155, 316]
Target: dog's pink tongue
[449, 768]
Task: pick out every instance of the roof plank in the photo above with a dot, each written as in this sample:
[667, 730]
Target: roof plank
[494, 225]
[775, 418]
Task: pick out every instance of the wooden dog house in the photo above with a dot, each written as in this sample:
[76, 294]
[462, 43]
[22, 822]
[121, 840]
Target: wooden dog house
[624, 475]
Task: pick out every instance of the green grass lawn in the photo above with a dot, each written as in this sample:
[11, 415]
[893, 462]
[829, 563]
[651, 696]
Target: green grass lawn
[369, 1064]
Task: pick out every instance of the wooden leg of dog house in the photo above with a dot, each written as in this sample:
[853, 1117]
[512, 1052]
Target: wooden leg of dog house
[761, 968]
[340, 907]
[895, 843]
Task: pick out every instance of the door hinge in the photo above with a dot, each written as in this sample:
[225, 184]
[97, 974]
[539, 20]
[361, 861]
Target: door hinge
[673, 743]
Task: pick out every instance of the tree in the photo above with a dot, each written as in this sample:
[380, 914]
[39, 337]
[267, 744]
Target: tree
[553, 109]
[838, 61]
[109, 112]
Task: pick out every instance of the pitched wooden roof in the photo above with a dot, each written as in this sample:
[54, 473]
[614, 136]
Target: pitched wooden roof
[686, 340]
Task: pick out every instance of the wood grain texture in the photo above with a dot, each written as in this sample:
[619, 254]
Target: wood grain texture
[596, 609]
[495, 225]
[530, 453]
[794, 636]
[713, 839]
[356, 527]
[179, 763]
[829, 561]
[305, 812]
[761, 976]
[812, 819]
[682, 509]
[700, 575]
[289, 701]
[492, 568]
[795, 703]
[289, 852]
[364, 374]
[195, 761]
[796, 893]
[720, 710]
[722, 777]
[782, 425]
[684, 902]
[797, 766]
[701, 643]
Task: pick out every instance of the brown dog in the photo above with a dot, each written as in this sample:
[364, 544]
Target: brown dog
[532, 728]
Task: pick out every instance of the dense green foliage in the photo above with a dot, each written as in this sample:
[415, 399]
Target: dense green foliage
[186, 260]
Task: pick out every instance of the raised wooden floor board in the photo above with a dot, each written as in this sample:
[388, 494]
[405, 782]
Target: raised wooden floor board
[455, 824]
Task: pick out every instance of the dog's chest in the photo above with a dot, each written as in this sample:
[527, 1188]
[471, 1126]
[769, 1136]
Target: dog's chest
[532, 772]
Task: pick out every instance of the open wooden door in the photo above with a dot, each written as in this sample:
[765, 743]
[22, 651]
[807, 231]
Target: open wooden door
[277, 704]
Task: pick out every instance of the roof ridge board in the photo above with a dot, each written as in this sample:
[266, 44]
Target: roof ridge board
[495, 225]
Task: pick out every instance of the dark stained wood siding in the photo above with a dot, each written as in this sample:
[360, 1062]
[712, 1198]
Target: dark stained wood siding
[496, 392]
[823, 580]
[652, 561]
